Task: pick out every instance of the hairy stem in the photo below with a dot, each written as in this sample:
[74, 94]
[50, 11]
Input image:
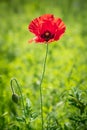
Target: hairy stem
[41, 94]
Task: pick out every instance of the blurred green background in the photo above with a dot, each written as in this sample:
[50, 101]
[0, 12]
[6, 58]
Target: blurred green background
[67, 59]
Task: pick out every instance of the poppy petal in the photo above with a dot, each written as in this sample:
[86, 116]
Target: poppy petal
[34, 26]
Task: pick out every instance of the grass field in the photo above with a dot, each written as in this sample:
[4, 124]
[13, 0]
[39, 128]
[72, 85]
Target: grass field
[65, 81]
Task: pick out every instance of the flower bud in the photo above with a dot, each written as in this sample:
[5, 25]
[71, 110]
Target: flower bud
[15, 98]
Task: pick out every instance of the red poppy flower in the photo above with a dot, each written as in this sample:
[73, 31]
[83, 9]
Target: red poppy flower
[47, 28]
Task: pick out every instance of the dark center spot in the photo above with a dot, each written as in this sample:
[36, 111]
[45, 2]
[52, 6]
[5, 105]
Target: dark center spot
[47, 36]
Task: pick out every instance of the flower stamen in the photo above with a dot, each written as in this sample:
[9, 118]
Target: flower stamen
[47, 36]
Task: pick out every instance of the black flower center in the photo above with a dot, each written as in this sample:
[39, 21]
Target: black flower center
[47, 36]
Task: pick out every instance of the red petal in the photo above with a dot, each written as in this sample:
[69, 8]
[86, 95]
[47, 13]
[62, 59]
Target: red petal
[59, 33]
[34, 26]
[36, 39]
[60, 29]
[49, 17]
[48, 26]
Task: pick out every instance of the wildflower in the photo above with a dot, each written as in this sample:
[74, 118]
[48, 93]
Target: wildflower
[47, 28]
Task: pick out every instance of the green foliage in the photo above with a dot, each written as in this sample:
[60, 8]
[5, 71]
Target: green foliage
[78, 117]
[65, 82]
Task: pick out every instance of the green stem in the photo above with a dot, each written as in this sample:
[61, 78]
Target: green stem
[18, 89]
[43, 72]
